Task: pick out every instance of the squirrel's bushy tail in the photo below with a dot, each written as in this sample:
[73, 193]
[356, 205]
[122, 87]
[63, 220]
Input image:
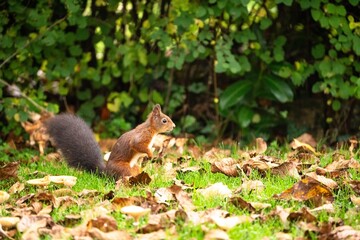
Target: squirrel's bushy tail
[76, 142]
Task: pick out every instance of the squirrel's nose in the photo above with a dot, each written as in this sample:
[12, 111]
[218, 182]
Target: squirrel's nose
[174, 125]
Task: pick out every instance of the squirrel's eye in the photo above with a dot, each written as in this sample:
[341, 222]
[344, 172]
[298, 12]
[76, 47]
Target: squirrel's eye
[164, 120]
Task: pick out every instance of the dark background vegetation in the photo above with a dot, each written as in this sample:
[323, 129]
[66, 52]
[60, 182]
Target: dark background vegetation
[220, 68]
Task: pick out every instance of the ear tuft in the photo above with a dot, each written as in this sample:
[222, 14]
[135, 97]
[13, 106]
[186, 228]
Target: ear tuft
[157, 109]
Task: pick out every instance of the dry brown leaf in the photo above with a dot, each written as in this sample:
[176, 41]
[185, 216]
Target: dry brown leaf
[343, 164]
[65, 201]
[260, 146]
[32, 223]
[215, 154]
[286, 169]
[230, 222]
[100, 235]
[191, 169]
[355, 185]
[259, 205]
[329, 207]
[326, 181]
[9, 170]
[296, 144]
[242, 204]
[45, 181]
[228, 166]
[259, 163]
[56, 232]
[161, 234]
[302, 215]
[68, 181]
[16, 188]
[216, 190]
[143, 178]
[4, 196]
[306, 138]
[216, 234]
[282, 214]
[9, 222]
[354, 143]
[355, 200]
[308, 189]
[332, 173]
[45, 210]
[283, 236]
[182, 197]
[119, 202]
[163, 195]
[251, 185]
[151, 228]
[342, 233]
[6, 234]
[103, 223]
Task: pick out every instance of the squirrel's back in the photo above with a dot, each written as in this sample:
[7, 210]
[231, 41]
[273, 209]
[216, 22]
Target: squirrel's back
[76, 142]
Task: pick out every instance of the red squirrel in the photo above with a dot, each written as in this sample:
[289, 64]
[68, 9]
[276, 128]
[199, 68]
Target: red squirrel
[77, 144]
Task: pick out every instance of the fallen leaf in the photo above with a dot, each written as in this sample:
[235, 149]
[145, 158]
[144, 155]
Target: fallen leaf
[119, 202]
[282, 214]
[16, 188]
[326, 181]
[230, 222]
[216, 234]
[329, 207]
[9, 222]
[45, 181]
[143, 178]
[215, 154]
[242, 204]
[68, 181]
[306, 138]
[56, 232]
[4, 196]
[355, 200]
[103, 223]
[191, 169]
[228, 166]
[251, 185]
[161, 234]
[296, 144]
[259, 205]
[342, 233]
[182, 197]
[9, 170]
[260, 146]
[283, 236]
[163, 195]
[286, 169]
[353, 144]
[4, 234]
[355, 185]
[216, 190]
[302, 215]
[118, 235]
[308, 189]
[343, 164]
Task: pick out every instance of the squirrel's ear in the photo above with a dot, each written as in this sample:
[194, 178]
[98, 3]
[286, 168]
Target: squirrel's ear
[157, 109]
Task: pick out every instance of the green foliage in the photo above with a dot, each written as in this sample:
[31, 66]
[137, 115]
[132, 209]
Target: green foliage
[120, 56]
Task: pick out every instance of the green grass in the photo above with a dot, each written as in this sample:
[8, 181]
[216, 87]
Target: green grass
[32, 166]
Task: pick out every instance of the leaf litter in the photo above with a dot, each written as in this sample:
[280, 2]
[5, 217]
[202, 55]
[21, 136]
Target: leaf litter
[160, 212]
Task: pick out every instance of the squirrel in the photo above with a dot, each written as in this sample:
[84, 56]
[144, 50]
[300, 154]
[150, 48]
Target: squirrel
[77, 144]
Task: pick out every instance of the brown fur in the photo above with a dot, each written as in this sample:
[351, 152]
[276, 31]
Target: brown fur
[133, 145]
